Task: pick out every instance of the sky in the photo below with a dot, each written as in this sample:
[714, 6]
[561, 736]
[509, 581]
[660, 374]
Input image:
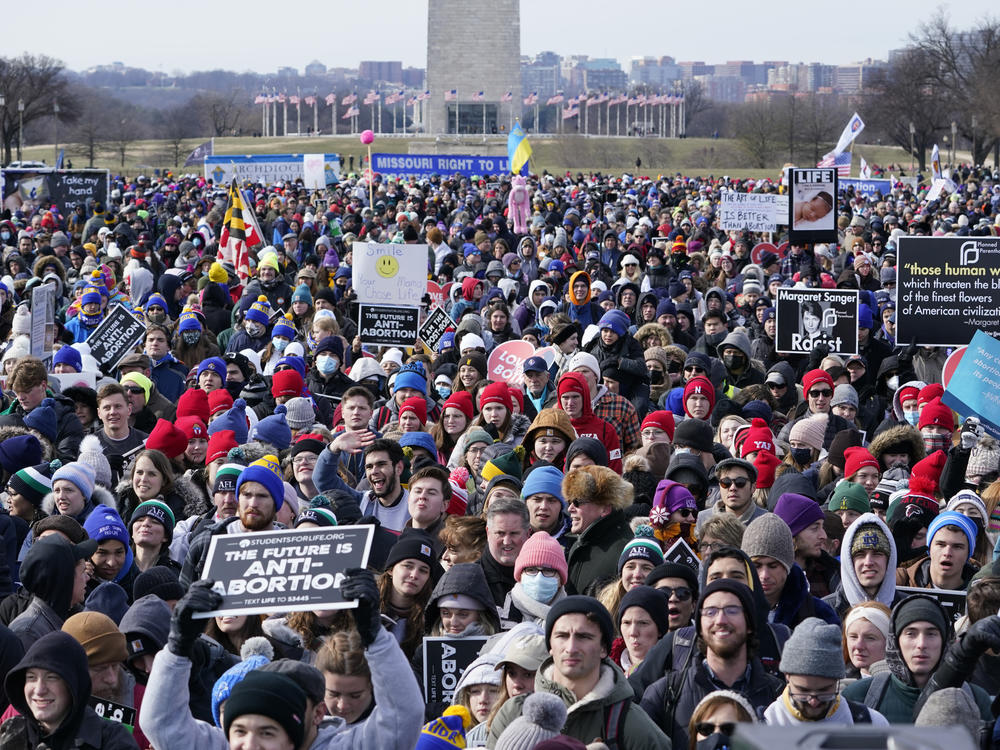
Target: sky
[252, 35]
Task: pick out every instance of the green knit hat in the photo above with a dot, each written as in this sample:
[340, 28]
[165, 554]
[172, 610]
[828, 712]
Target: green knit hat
[850, 496]
[643, 546]
[158, 511]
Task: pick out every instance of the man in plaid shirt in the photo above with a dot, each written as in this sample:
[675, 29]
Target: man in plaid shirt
[612, 408]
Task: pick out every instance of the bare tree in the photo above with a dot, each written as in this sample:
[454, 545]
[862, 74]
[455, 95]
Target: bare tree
[87, 137]
[757, 129]
[124, 130]
[819, 120]
[38, 82]
[695, 102]
[221, 113]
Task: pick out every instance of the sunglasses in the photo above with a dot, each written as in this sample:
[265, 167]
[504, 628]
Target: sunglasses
[699, 370]
[706, 728]
[776, 386]
[691, 512]
[740, 482]
[821, 394]
[134, 391]
[683, 593]
[579, 503]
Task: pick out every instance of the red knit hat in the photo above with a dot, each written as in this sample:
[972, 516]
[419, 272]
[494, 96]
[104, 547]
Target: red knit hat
[193, 427]
[929, 392]
[167, 439]
[417, 405]
[287, 383]
[461, 400]
[662, 419]
[573, 382]
[495, 393]
[766, 464]
[700, 385]
[219, 445]
[816, 376]
[219, 401]
[517, 395]
[758, 438]
[857, 458]
[193, 403]
[926, 474]
[936, 414]
[908, 392]
[542, 551]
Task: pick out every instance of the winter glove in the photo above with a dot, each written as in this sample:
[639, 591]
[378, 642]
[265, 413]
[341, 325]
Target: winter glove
[492, 431]
[972, 430]
[184, 629]
[906, 358]
[360, 585]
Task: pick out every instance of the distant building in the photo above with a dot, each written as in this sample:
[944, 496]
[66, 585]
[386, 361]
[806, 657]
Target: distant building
[381, 71]
[541, 74]
[849, 79]
[288, 72]
[315, 68]
[599, 74]
[660, 72]
[413, 78]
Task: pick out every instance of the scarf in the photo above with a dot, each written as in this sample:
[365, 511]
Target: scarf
[786, 701]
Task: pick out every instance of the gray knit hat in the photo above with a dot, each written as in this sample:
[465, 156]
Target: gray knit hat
[950, 707]
[542, 718]
[814, 648]
[844, 394]
[769, 536]
[299, 413]
[92, 455]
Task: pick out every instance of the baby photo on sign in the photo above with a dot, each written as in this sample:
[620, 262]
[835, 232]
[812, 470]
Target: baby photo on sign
[813, 205]
[807, 318]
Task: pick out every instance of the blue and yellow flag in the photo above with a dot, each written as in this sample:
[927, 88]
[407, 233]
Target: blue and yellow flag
[518, 150]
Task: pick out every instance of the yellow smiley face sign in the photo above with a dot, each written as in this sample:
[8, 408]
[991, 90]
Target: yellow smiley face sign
[387, 266]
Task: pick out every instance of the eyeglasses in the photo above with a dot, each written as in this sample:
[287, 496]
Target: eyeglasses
[809, 697]
[708, 727]
[730, 610]
[304, 459]
[683, 593]
[821, 394]
[776, 386]
[579, 503]
[547, 572]
[709, 547]
[740, 482]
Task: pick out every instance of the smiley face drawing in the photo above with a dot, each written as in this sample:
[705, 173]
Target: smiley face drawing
[387, 266]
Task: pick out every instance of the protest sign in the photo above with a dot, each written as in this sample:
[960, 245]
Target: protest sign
[808, 317]
[947, 289]
[117, 335]
[444, 661]
[43, 320]
[26, 189]
[388, 325]
[867, 188]
[284, 571]
[437, 294]
[437, 324]
[507, 360]
[111, 711]
[951, 364]
[425, 165]
[270, 168]
[811, 214]
[74, 379]
[974, 387]
[681, 552]
[768, 247]
[953, 602]
[754, 212]
[390, 274]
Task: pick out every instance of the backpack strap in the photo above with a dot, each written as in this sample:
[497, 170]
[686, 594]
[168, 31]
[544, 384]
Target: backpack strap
[614, 722]
[860, 713]
[670, 697]
[681, 649]
[876, 689]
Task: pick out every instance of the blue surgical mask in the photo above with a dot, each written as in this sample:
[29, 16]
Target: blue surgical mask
[912, 417]
[444, 391]
[280, 344]
[5, 236]
[326, 364]
[540, 588]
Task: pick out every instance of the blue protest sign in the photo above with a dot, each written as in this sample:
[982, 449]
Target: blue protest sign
[974, 389]
[867, 188]
[425, 165]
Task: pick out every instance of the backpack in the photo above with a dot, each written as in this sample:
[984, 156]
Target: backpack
[682, 647]
[614, 722]
[880, 683]
[860, 713]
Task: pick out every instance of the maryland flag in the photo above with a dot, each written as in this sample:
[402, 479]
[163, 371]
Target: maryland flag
[239, 233]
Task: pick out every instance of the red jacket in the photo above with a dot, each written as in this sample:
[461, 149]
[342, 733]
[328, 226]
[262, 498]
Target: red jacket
[587, 425]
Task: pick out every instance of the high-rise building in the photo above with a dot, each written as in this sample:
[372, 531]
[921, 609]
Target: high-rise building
[661, 72]
[482, 69]
[381, 71]
[541, 75]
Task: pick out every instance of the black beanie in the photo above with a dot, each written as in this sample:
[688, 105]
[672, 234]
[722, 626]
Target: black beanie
[414, 544]
[738, 589]
[674, 570]
[654, 601]
[589, 446]
[160, 581]
[693, 433]
[919, 608]
[272, 695]
[586, 605]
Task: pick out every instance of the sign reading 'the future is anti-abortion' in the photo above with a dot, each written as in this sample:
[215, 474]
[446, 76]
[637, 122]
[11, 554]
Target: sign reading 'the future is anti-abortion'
[948, 288]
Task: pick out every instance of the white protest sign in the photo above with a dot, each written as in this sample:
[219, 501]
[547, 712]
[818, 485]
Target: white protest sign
[754, 212]
[390, 274]
[314, 171]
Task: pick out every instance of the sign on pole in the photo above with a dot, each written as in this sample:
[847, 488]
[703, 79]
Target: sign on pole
[506, 362]
[425, 165]
[285, 571]
[115, 337]
[806, 318]
[947, 289]
[681, 552]
[444, 661]
[385, 325]
[27, 189]
[867, 188]
[390, 274]
[43, 320]
[754, 212]
[812, 215]
[437, 324]
[271, 168]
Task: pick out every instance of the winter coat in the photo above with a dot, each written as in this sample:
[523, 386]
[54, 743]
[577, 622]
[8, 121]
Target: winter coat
[169, 376]
[70, 431]
[585, 719]
[595, 552]
[530, 609]
[918, 574]
[777, 714]
[849, 591]
[796, 603]
[184, 500]
[394, 723]
[463, 578]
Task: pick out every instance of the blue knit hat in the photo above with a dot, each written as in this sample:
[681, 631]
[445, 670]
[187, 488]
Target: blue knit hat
[302, 294]
[235, 419]
[80, 474]
[105, 523]
[260, 311]
[188, 322]
[230, 679]
[91, 296]
[543, 479]
[295, 362]
[43, 419]
[953, 518]
[267, 472]
[285, 326]
[67, 355]
[666, 307]
[20, 451]
[213, 364]
[468, 249]
[419, 440]
[447, 341]
[410, 379]
[274, 429]
[156, 300]
[612, 319]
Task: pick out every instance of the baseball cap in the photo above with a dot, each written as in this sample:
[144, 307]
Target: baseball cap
[535, 364]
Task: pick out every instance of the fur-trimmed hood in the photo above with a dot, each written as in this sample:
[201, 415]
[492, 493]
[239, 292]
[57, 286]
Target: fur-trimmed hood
[186, 496]
[901, 433]
[100, 496]
[654, 329]
[13, 430]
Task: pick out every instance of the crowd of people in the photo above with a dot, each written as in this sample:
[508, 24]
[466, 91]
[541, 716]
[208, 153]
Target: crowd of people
[661, 529]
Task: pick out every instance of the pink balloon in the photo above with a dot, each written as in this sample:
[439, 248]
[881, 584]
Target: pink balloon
[367, 137]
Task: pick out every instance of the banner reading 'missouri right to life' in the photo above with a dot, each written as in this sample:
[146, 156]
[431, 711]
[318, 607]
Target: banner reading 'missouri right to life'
[948, 288]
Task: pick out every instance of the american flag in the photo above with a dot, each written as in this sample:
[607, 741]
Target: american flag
[841, 161]
[596, 99]
[450, 96]
[531, 98]
[424, 96]
[310, 101]
[351, 112]
[349, 99]
[330, 99]
[508, 97]
[478, 96]
[293, 99]
[569, 112]
[557, 99]
[371, 97]
[281, 98]
[260, 99]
